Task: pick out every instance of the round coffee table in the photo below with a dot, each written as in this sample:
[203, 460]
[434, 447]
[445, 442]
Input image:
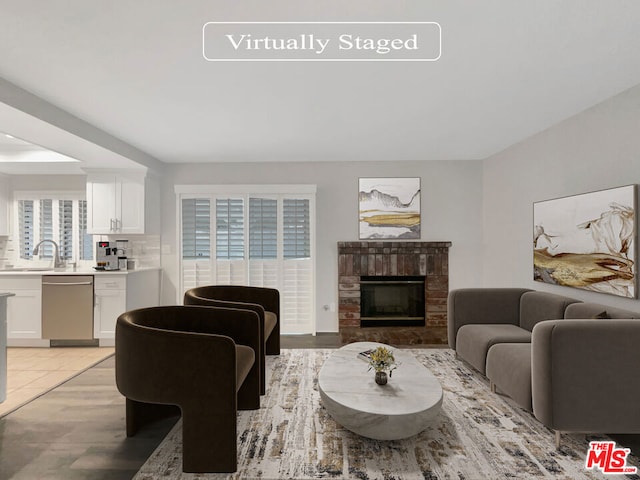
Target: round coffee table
[402, 408]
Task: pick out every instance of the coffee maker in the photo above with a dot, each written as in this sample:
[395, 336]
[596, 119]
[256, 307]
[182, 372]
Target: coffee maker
[121, 251]
[106, 256]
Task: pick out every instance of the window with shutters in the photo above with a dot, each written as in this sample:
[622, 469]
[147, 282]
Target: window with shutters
[85, 240]
[263, 228]
[297, 233]
[65, 227]
[251, 235]
[61, 217]
[196, 228]
[26, 227]
[229, 228]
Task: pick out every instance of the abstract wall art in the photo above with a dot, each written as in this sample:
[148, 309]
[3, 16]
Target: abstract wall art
[587, 241]
[389, 208]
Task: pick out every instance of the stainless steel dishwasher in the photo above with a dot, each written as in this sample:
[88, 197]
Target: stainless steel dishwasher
[67, 308]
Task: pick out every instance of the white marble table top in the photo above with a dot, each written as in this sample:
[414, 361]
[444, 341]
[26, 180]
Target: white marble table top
[402, 408]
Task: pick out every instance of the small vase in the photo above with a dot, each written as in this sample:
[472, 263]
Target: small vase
[381, 378]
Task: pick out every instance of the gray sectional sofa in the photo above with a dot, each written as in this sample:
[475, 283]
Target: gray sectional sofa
[574, 365]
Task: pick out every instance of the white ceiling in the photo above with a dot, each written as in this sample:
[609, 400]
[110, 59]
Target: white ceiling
[135, 70]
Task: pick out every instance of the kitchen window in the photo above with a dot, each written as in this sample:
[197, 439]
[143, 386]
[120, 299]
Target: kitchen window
[61, 217]
[252, 235]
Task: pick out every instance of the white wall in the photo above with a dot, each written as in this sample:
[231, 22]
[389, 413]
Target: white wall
[451, 211]
[594, 150]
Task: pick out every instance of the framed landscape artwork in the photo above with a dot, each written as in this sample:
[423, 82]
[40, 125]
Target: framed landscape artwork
[587, 241]
[389, 208]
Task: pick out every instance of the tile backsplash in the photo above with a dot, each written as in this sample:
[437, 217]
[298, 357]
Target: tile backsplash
[144, 249]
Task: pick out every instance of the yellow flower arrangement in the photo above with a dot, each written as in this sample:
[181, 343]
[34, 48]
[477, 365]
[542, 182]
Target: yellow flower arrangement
[382, 360]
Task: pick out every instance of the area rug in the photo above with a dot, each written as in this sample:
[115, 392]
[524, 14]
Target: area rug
[478, 435]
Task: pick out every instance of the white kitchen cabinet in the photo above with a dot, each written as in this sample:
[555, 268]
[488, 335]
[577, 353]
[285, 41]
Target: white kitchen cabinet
[115, 203]
[117, 293]
[4, 206]
[114, 294]
[24, 310]
[24, 314]
[110, 301]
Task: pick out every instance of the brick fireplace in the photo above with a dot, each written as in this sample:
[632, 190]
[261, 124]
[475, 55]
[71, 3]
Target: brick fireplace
[393, 259]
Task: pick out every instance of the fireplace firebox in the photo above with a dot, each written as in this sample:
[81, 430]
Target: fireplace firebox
[387, 301]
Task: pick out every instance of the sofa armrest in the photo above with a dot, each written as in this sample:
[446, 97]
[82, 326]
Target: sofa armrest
[584, 375]
[480, 306]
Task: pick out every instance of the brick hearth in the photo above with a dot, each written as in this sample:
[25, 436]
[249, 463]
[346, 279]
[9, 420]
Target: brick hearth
[429, 259]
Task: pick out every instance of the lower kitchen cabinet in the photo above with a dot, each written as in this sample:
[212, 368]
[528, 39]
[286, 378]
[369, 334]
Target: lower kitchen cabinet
[114, 294]
[23, 309]
[110, 299]
[117, 293]
[23, 314]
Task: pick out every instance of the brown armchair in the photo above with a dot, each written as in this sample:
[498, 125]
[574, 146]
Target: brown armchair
[264, 301]
[202, 360]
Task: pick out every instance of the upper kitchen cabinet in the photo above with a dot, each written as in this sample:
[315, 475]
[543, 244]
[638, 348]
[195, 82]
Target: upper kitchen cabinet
[121, 203]
[4, 206]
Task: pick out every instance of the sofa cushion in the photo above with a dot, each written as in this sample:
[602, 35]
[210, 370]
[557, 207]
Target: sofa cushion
[270, 320]
[481, 306]
[509, 368]
[590, 310]
[245, 358]
[473, 341]
[538, 306]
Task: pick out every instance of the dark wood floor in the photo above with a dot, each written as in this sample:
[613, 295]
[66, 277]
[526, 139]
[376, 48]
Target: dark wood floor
[76, 431]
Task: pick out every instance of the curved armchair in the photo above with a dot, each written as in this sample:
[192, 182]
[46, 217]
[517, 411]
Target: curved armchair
[263, 301]
[202, 360]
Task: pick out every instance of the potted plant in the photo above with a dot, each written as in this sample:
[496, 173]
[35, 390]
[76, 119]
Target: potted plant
[382, 361]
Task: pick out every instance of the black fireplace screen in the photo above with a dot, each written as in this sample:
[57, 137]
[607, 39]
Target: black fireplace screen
[392, 301]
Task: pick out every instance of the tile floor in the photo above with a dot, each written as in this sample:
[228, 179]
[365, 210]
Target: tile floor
[33, 371]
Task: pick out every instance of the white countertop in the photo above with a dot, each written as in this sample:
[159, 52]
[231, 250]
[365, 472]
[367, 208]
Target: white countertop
[79, 271]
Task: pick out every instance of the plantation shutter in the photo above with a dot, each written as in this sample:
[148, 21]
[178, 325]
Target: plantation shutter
[297, 297]
[297, 228]
[46, 228]
[85, 241]
[196, 228]
[262, 239]
[60, 217]
[263, 242]
[230, 244]
[263, 228]
[196, 242]
[65, 228]
[26, 226]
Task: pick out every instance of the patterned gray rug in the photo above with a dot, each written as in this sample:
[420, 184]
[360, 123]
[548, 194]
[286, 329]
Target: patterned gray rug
[478, 435]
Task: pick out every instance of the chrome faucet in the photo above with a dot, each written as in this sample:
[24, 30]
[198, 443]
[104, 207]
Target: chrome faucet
[57, 261]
